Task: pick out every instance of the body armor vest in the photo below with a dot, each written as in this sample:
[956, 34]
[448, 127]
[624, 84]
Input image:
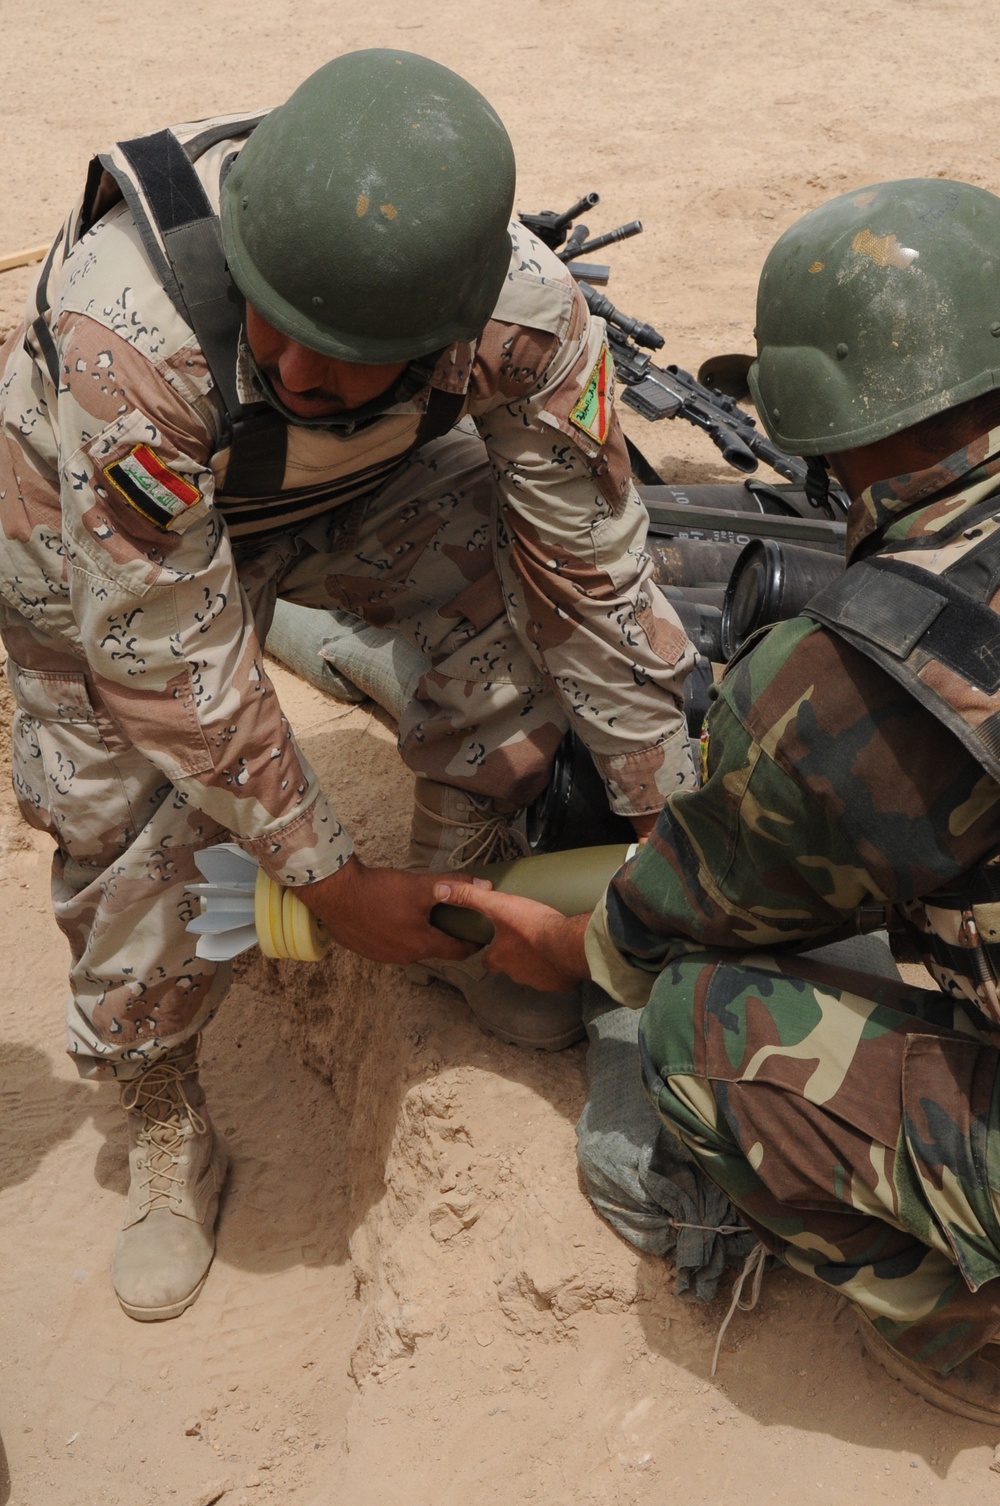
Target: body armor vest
[920, 611]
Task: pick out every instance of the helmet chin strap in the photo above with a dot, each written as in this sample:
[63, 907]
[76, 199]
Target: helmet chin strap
[407, 385]
[818, 484]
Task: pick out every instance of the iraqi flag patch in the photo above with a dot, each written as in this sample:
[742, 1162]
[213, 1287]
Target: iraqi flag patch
[151, 487]
[591, 412]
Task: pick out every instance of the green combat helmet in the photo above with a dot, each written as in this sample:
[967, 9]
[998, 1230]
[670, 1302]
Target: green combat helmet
[878, 310]
[367, 217]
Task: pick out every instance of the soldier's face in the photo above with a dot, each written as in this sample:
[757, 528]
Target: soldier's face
[308, 383]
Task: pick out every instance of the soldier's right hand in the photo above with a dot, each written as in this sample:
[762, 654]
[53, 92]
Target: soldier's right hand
[532, 943]
[382, 913]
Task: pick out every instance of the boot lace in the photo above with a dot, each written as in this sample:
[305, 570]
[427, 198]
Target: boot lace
[490, 837]
[158, 1096]
[752, 1271]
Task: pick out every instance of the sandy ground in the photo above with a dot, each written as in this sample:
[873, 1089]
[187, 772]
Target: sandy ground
[413, 1302]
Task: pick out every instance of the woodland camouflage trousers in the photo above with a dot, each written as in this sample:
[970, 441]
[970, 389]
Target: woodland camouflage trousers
[855, 1121]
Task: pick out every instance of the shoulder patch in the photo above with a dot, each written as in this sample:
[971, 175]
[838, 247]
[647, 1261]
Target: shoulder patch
[151, 487]
[592, 410]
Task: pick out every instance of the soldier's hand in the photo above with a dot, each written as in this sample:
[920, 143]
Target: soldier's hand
[382, 913]
[532, 943]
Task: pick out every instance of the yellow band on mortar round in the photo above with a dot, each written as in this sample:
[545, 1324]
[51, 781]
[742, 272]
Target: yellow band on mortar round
[269, 937]
[286, 928]
[306, 937]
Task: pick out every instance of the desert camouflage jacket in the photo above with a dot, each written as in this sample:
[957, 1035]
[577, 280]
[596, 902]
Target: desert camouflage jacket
[847, 760]
[114, 456]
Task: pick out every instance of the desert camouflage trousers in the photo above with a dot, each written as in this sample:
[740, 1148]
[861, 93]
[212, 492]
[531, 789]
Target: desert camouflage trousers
[417, 558]
[125, 844]
[126, 837]
[855, 1121]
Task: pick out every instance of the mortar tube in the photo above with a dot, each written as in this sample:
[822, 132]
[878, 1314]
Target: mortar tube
[702, 596]
[687, 562]
[771, 583]
[703, 625]
[571, 882]
[732, 496]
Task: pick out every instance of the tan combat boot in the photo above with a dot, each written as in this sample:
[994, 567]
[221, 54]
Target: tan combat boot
[177, 1168]
[455, 829]
[971, 1390]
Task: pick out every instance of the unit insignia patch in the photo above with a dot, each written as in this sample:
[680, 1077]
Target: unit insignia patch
[592, 411]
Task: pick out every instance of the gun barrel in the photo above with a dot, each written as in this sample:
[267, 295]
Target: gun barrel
[693, 563]
[620, 233]
[668, 517]
[734, 451]
[771, 582]
[580, 207]
[642, 334]
[574, 241]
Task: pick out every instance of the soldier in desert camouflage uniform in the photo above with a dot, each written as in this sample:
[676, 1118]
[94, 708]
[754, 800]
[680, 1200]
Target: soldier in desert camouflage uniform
[852, 762]
[172, 459]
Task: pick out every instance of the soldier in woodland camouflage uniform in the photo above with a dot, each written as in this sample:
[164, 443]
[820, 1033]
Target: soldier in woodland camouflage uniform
[852, 762]
[172, 458]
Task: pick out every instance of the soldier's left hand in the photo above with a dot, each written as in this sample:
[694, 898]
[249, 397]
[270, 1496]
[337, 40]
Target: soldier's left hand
[532, 943]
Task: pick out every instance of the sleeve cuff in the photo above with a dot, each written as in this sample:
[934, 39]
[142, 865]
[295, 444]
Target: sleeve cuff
[630, 985]
[639, 782]
[310, 847]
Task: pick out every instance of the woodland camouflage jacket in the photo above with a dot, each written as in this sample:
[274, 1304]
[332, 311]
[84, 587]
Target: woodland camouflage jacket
[828, 785]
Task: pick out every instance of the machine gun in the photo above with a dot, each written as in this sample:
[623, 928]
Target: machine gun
[657, 392]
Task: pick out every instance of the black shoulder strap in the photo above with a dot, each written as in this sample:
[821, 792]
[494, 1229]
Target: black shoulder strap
[906, 618]
[40, 326]
[443, 409]
[907, 612]
[189, 228]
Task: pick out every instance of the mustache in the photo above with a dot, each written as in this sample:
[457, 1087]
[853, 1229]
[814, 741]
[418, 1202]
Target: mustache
[310, 395]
